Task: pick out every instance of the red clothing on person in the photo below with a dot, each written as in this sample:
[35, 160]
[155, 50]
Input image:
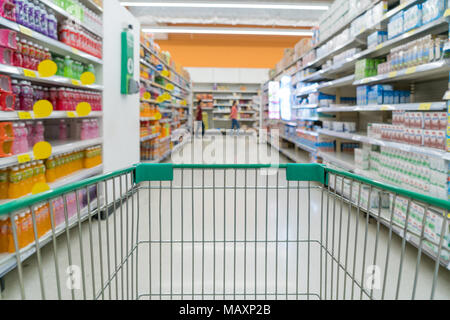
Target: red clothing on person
[234, 113]
[199, 113]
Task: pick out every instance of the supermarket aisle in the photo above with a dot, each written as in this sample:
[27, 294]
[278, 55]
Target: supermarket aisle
[192, 214]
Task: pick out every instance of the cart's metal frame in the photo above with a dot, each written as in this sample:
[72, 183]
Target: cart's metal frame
[325, 259]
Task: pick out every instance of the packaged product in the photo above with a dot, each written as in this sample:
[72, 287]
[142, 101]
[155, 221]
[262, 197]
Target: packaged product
[412, 17]
[395, 25]
[432, 9]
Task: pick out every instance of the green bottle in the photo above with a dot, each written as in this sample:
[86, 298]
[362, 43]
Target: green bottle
[68, 72]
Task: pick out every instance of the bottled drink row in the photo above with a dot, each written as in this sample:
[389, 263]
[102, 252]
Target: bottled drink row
[19, 137]
[18, 95]
[36, 16]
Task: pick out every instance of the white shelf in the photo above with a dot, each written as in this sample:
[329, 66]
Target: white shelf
[150, 137]
[58, 147]
[298, 144]
[149, 65]
[306, 106]
[164, 62]
[311, 133]
[54, 45]
[435, 106]
[14, 115]
[225, 91]
[93, 6]
[401, 146]
[19, 73]
[422, 72]
[287, 153]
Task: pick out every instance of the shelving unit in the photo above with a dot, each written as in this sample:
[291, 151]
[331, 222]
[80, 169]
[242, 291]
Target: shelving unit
[160, 78]
[218, 99]
[59, 147]
[322, 86]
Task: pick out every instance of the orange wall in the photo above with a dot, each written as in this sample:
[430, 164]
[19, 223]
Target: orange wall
[227, 51]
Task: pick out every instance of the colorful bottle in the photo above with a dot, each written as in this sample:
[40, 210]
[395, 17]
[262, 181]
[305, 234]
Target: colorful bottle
[4, 184]
[15, 183]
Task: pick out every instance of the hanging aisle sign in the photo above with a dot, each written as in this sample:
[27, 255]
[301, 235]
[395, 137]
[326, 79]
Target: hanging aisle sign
[128, 84]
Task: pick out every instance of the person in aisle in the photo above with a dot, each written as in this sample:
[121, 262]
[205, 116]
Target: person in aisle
[199, 119]
[234, 118]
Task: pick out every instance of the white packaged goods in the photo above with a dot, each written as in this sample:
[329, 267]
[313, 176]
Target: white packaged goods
[412, 17]
[362, 159]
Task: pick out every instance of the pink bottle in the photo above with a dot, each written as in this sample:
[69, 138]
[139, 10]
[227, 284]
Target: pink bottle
[62, 130]
[24, 138]
[84, 130]
[26, 96]
[16, 143]
[30, 128]
[53, 97]
[38, 135]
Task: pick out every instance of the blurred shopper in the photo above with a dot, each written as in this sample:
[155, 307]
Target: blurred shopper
[199, 119]
[234, 118]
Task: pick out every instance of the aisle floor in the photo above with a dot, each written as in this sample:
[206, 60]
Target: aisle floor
[268, 251]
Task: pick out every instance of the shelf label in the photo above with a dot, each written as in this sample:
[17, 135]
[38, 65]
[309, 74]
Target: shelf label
[29, 73]
[47, 68]
[42, 150]
[84, 109]
[183, 102]
[378, 47]
[410, 70]
[170, 86]
[165, 73]
[160, 99]
[75, 82]
[365, 80]
[147, 96]
[392, 74]
[26, 31]
[71, 114]
[40, 187]
[42, 109]
[76, 51]
[425, 106]
[23, 158]
[24, 115]
[384, 108]
[88, 78]
[447, 13]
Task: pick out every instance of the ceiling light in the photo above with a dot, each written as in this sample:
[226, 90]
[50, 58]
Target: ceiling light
[226, 5]
[235, 31]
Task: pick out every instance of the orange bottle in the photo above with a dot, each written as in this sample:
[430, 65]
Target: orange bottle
[50, 172]
[4, 184]
[41, 171]
[11, 245]
[15, 183]
[4, 233]
[23, 227]
[35, 167]
[29, 177]
[30, 234]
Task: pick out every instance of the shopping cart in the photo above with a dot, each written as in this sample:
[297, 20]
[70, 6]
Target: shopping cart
[163, 231]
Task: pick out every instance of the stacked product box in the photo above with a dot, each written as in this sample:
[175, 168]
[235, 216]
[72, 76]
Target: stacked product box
[376, 38]
[415, 16]
[380, 94]
[421, 51]
[365, 68]
[362, 159]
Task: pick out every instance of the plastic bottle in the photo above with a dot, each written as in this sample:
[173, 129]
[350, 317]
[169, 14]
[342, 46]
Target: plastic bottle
[68, 72]
[37, 16]
[24, 14]
[50, 165]
[18, 57]
[15, 181]
[52, 25]
[26, 62]
[62, 130]
[39, 132]
[41, 171]
[26, 96]
[19, 11]
[4, 184]
[30, 15]
[24, 145]
[4, 233]
[15, 86]
[28, 178]
[23, 227]
[44, 20]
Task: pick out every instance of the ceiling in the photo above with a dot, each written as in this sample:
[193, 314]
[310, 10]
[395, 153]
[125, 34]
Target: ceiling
[149, 16]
